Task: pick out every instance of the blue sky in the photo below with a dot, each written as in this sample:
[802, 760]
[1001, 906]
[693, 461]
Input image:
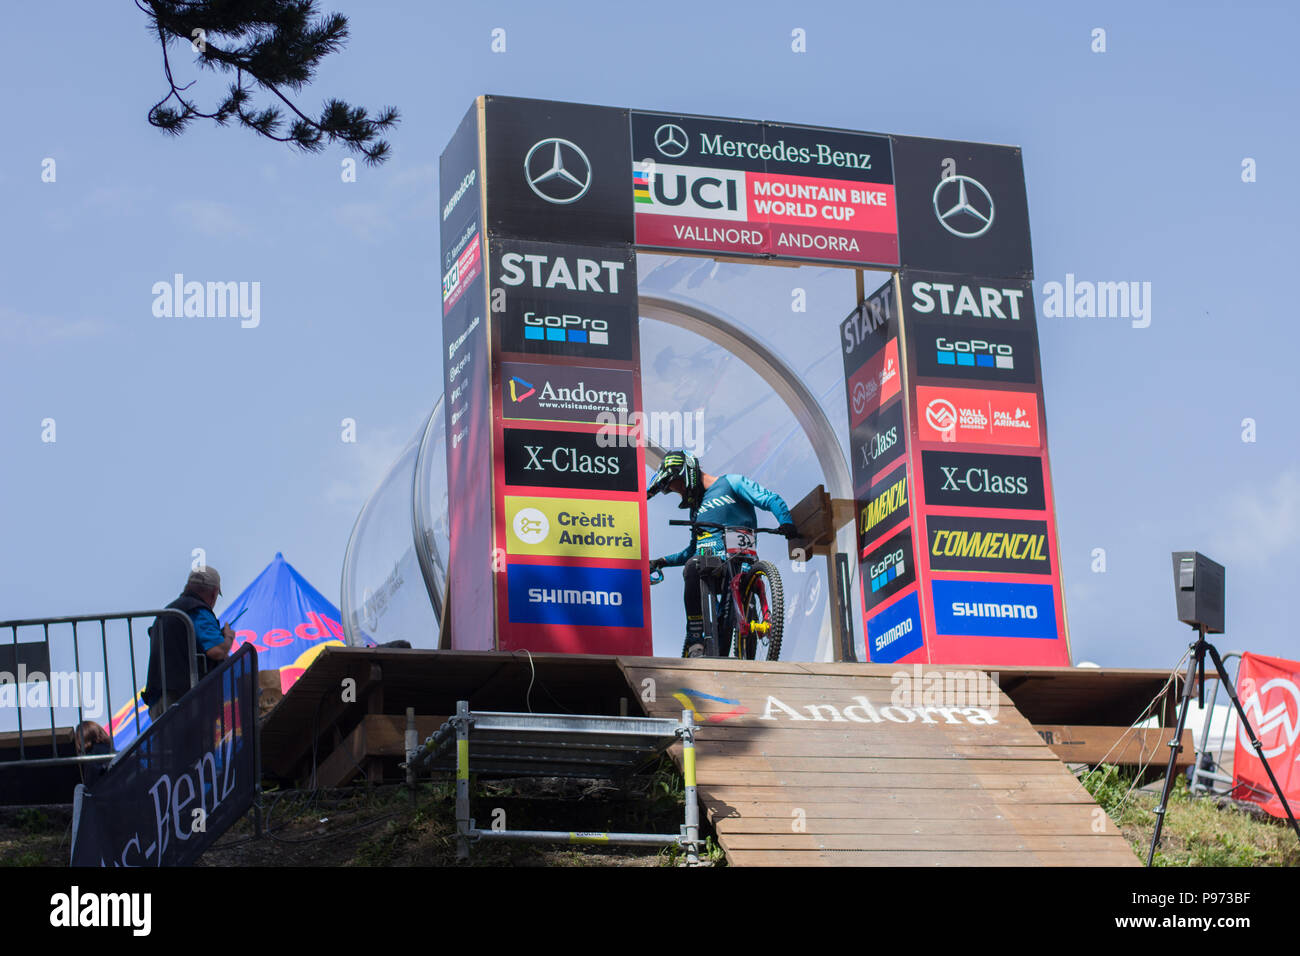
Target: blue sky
[174, 434]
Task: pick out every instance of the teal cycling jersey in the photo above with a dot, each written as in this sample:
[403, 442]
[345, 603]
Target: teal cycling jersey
[729, 501]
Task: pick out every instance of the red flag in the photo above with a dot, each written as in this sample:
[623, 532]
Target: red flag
[1269, 690]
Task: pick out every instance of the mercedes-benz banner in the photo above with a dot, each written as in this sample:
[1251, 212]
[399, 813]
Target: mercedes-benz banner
[703, 184]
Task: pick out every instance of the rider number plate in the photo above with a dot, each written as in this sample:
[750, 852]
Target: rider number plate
[741, 540]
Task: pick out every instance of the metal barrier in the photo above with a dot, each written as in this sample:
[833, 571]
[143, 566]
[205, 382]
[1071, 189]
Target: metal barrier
[559, 745]
[20, 655]
[1203, 780]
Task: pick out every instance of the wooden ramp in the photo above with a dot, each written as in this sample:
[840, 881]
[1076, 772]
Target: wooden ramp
[821, 764]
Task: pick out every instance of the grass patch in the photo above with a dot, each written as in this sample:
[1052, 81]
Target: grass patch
[1198, 831]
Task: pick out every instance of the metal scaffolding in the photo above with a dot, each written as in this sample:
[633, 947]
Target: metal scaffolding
[553, 745]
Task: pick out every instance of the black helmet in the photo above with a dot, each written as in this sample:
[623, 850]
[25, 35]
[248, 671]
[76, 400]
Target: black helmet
[683, 465]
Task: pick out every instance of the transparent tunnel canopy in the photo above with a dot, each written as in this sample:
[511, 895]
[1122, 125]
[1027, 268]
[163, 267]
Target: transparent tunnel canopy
[394, 570]
[700, 391]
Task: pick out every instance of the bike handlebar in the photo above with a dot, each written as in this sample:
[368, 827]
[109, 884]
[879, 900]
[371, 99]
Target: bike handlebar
[720, 527]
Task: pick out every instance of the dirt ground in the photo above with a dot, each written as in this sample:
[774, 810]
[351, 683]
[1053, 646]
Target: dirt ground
[390, 826]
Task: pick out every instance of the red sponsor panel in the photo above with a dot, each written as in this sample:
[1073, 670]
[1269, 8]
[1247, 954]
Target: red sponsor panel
[995, 651]
[569, 583]
[822, 203]
[822, 245]
[752, 213]
[825, 218]
[683, 232]
[875, 383]
[1269, 690]
[465, 270]
[977, 416]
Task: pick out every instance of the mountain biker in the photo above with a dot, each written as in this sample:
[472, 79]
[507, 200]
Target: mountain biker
[728, 500]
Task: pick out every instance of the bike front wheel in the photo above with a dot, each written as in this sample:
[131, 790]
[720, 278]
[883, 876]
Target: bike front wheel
[764, 614]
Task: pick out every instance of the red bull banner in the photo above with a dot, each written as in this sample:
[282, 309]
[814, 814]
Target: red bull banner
[1269, 690]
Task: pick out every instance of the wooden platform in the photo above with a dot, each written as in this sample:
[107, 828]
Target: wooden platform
[811, 764]
[800, 764]
[323, 712]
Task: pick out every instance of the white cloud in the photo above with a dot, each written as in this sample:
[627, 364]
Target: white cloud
[365, 464]
[366, 220]
[408, 194]
[119, 200]
[210, 217]
[17, 328]
[1259, 524]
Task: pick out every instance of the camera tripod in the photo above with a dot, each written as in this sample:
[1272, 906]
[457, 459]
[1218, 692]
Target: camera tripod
[1196, 673]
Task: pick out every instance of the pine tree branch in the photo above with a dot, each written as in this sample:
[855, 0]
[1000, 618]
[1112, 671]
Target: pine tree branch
[278, 44]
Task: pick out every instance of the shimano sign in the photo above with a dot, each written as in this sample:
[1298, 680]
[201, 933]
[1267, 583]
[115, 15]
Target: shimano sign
[994, 609]
[583, 596]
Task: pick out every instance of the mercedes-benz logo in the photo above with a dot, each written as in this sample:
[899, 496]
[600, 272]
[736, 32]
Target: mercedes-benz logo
[957, 213]
[558, 171]
[671, 140]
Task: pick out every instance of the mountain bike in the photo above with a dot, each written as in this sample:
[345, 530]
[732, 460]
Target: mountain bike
[741, 597]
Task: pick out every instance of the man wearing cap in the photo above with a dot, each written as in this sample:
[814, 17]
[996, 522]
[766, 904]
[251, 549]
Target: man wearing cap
[168, 638]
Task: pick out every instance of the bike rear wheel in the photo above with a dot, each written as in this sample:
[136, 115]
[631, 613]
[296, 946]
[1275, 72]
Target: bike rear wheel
[764, 613]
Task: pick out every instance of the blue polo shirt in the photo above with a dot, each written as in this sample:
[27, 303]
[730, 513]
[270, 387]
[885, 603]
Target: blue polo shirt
[207, 630]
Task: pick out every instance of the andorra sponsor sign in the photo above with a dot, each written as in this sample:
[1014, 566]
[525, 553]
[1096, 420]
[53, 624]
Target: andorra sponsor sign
[761, 189]
[583, 596]
[564, 393]
[987, 544]
[875, 383]
[573, 527]
[977, 416]
[994, 609]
